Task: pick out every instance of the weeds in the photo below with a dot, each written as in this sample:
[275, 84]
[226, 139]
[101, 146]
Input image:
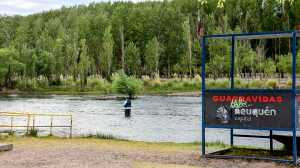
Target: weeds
[103, 136]
[33, 132]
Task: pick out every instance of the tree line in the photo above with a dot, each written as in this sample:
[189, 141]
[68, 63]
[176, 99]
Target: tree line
[145, 38]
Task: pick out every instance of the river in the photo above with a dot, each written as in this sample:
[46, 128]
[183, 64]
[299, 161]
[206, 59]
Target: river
[154, 118]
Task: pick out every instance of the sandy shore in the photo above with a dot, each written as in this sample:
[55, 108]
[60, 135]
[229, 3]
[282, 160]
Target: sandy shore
[95, 153]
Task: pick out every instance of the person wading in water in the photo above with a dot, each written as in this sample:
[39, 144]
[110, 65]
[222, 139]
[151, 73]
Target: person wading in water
[127, 107]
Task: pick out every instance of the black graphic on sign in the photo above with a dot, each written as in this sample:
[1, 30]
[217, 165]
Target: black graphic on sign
[248, 109]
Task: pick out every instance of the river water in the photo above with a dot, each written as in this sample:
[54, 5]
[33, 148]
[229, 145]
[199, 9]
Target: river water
[154, 118]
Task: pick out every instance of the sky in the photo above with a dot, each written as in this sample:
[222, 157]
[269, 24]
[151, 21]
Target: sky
[25, 7]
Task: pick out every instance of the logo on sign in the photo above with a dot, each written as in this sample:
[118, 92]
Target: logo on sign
[241, 110]
[223, 115]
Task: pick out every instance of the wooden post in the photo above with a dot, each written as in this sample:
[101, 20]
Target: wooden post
[71, 126]
[11, 125]
[33, 122]
[28, 123]
[51, 124]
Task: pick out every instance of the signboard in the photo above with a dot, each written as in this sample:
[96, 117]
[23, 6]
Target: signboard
[248, 109]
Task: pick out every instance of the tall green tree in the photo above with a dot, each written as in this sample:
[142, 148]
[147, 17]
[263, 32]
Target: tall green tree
[132, 59]
[186, 60]
[83, 63]
[59, 53]
[45, 65]
[152, 55]
[10, 66]
[107, 52]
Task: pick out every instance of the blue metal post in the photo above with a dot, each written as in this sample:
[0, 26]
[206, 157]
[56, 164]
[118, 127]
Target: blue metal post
[294, 115]
[203, 75]
[232, 77]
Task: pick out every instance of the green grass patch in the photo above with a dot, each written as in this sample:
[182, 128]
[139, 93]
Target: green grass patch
[32, 132]
[103, 136]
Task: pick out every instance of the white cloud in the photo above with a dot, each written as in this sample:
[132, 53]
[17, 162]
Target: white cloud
[25, 7]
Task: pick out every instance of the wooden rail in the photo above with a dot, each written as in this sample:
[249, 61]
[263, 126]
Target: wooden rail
[31, 118]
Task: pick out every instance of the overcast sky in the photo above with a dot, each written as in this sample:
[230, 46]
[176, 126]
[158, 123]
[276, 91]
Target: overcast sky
[25, 7]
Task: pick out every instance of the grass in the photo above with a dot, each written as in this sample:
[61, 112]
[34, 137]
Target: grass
[33, 132]
[103, 136]
[111, 141]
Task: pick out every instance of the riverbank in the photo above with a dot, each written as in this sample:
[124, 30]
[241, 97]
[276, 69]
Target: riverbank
[97, 95]
[157, 86]
[53, 152]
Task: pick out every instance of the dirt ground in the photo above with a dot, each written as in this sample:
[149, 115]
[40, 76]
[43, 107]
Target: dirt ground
[95, 153]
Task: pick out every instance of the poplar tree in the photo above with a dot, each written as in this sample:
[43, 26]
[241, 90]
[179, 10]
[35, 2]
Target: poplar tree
[107, 52]
[152, 54]
[132, 59]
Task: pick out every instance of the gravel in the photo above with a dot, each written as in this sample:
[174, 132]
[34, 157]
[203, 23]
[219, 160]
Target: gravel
[73, 154]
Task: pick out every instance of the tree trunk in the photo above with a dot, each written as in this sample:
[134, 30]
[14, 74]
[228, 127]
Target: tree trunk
[122, 47]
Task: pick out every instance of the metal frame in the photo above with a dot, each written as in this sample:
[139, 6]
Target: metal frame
[30, 119]
[249, 36]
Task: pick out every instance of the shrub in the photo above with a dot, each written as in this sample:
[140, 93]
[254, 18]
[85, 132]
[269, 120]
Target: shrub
[241, 84]
[33, 132]
[210, 84]
[155, 83]
[223, 83]
[289, 83]
[197, 78]
[42, 82]
[146, 80]
[26, 84]
[68, 82]
[272, 84]
[218, 84]
[99, 84]
[103, 136]
[256, 84]
[124, 84]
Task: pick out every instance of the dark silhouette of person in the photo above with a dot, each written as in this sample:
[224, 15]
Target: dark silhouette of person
[127, 107]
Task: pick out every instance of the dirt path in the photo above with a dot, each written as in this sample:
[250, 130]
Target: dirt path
[94, 153]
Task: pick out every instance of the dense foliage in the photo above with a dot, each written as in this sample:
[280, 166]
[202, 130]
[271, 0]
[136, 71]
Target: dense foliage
[124, 84]
[146, 38]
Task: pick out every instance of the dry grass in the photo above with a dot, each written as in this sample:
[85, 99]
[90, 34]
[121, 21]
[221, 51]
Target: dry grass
[53, 142]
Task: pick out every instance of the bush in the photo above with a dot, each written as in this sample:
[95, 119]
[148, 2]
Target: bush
[210, 84]
[223, 83]
[69, 82]
[26, 84]
[272, 84]
[241, 84]
[218, 84]
[99, 84]
[103, 136]
[197, 78]
[124, 84]
[155, 83]
[289, 83]
[33, 132]
[257, 84]
[42, 82]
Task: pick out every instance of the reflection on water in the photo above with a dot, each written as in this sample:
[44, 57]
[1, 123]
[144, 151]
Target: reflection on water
[154, 118]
